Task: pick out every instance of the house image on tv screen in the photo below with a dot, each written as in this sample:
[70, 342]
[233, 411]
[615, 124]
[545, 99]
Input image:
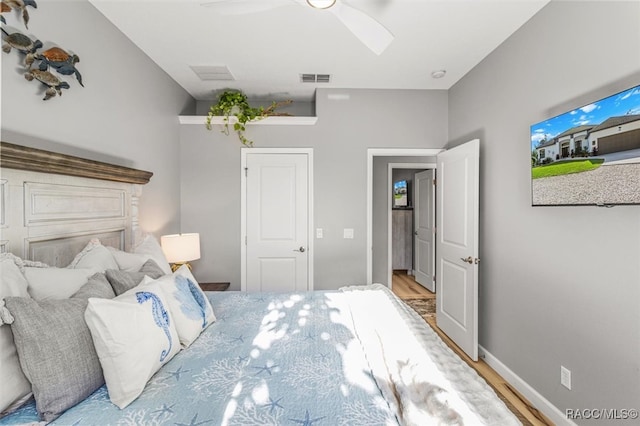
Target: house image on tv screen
[589, 155]
[612, 135]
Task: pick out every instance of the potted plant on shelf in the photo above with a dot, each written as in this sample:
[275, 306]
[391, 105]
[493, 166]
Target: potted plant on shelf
[234, 103]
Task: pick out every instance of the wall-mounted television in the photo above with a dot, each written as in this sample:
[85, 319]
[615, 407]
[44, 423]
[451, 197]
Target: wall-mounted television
[589, 155]
[401, 194]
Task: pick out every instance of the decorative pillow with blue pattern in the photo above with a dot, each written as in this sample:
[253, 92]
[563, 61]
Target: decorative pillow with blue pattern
[189, 306]
[134, 335]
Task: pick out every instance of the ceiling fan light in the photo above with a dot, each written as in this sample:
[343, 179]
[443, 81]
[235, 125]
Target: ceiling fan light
[321, 4]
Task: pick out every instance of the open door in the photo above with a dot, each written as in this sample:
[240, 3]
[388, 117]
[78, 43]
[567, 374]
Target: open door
[457, 245]
[424, 230]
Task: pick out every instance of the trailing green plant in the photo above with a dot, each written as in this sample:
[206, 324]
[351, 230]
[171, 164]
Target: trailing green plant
[234, 103]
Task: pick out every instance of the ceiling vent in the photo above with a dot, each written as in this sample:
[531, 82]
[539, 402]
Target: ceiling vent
[315, 78]
[212, 72]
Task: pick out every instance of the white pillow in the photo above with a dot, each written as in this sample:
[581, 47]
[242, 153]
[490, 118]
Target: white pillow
[151, 247]
[129, 262]
[190, 308]
[94, 255]
[15, 388]
[134, 335]
[56, 283]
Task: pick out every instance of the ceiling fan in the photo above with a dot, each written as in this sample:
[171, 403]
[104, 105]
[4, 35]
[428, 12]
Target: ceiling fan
[369, 31]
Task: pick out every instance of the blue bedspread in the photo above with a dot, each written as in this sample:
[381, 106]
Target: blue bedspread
[356, 356]
[268, 359]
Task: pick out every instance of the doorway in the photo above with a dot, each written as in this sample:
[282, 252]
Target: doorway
[276, 246]
[378, 233]
[457, 238]
[411, 221]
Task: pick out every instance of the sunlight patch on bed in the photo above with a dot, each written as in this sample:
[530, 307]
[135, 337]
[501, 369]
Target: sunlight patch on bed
[352, 361]
[295, 298]
[260, 393]
[270, 333]
[229, 411]
[273, 317]
[236, 390]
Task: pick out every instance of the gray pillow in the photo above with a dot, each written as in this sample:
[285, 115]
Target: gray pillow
[151, 268]
[121, 281]
[55, 347]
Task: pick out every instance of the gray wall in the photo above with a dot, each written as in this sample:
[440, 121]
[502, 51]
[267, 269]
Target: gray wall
[558, 285]
[346, 128]
[126, 114]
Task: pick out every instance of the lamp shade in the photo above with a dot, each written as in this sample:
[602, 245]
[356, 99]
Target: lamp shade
[181, 248]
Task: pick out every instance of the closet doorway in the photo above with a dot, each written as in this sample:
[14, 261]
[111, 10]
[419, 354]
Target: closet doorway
[276, 244]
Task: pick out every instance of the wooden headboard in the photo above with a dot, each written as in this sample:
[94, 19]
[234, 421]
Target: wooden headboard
[52, 204]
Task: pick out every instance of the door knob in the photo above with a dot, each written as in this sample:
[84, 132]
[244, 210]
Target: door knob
[469, 260]
[301, 249]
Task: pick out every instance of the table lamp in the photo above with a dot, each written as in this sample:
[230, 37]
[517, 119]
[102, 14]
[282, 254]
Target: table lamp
[180, 249]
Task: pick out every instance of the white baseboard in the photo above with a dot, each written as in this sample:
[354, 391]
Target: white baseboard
[537, 400]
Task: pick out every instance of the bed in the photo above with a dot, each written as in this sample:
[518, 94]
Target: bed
[353, 356]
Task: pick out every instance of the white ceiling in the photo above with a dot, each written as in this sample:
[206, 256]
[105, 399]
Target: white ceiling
[267, 51]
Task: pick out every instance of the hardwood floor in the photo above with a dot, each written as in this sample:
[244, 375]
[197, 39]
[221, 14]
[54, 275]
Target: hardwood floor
[405, 287]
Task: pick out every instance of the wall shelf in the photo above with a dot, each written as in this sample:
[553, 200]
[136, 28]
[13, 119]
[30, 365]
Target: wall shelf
[268, 121]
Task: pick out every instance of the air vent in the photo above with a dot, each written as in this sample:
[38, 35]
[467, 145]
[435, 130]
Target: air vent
[212, 72]
[315, 78]
[308, 78]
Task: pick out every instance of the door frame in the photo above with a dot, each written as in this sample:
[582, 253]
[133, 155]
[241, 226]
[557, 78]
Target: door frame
[385, 152]
[244, 152]
[390, 168]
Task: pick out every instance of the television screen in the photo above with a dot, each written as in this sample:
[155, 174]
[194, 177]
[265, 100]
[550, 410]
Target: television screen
[401, 194]
[589, 155]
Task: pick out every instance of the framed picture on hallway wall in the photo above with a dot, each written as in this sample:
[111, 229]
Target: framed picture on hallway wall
[401, 194]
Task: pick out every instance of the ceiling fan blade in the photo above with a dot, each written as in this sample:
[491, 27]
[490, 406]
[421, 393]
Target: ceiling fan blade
[370, 32]
[244, 7]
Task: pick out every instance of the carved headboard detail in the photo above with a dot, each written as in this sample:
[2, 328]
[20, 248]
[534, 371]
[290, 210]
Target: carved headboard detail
[38, 160]
[52, 204]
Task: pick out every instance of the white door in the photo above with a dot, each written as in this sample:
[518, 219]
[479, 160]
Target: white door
[277, 208]
[457, 245]
[424, 229]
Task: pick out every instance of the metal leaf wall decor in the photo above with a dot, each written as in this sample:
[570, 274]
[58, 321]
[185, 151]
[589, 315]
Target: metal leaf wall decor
[51, 59]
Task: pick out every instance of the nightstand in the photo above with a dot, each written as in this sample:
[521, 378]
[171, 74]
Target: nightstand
[214, 286]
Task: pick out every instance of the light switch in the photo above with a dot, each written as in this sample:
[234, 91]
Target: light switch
[348, 233]
[319, 233]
